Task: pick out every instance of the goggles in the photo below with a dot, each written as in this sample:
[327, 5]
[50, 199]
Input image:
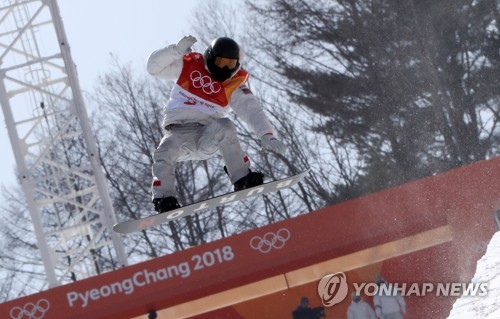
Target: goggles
[222, 62]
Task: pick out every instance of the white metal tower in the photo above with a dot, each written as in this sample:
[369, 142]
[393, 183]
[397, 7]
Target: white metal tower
[56, 153]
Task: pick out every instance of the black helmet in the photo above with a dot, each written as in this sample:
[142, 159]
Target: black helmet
[222, 58]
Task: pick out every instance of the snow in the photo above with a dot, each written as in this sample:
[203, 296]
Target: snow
[488, 270]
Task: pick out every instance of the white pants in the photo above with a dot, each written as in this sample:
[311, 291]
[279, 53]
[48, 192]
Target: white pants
[395, 315]
[196, 143]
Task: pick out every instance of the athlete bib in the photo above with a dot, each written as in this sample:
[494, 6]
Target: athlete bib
[195, 88]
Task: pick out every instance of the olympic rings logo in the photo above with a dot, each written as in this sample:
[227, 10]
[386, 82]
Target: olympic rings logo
[31, 310]
[270, 240]
[204, 82]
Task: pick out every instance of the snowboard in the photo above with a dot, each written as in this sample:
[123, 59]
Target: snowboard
[155, 219]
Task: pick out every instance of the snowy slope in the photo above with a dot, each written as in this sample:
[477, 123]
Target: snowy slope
[488, 270]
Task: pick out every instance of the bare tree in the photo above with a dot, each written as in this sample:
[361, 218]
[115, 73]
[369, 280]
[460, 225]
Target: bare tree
[21, 269]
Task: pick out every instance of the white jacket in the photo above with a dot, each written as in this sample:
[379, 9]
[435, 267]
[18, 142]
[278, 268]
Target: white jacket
[167, 64]
[360, 310]
[389, 303]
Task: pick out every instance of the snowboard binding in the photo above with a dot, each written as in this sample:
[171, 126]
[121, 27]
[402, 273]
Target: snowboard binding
[165, 204]
[251, 180]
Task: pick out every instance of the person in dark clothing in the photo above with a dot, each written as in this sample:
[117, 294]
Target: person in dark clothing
[304, 311]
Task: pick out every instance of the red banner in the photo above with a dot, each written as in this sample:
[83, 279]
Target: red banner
[408, 219]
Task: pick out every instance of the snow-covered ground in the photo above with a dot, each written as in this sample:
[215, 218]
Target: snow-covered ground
[488, 270]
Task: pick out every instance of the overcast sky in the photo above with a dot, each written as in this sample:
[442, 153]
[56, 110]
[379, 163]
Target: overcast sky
[96, 28]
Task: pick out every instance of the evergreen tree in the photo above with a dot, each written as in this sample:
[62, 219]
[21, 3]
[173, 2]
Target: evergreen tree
[409, 84]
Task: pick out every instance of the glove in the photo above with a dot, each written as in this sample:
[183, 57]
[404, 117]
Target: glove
[269, 142]
[184, 45]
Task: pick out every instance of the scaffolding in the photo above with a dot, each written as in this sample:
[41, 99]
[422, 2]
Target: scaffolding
[57, 159]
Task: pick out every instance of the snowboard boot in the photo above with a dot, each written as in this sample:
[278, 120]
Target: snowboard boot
[251, 180]
[165, 204]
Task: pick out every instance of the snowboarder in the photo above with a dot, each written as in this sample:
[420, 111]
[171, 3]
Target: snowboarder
[196, 126]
